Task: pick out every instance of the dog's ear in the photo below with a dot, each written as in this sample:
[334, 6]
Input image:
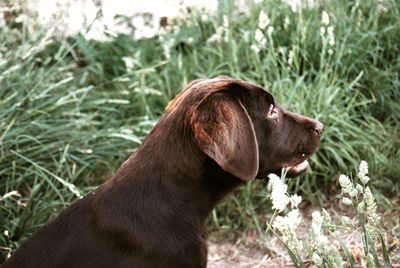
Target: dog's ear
[223, 130]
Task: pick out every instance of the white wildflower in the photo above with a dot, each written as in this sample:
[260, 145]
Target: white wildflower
[167, 45]
[369, 200]
[290, 57]
[346, 220]
[217, 36]
[346, 184]
[225, 22]
[22, 18]
[353, 192]
[320, 240]
[381, 6]
[204, 17]
[263, 20]
[344, 181]
[255, 48]
[317, 259]
[294, 218]
[328, 35]
[270, 30]
[322, 31]
[359, 188]
[6, 233]
[363, 171]
[317, 218]
[297, 5]
[364, 179]
[363, 168]
[282, 223]
[361, 207]
[370, 212]
[279, 193]
[282, 50]
[325, 18]
[287, 227]
[295, 200]
[326, 217]
[316, 224]
[130, 63]
[322, 243]
[260, 38]
[286, 23]
[347, 201]
[331, 36]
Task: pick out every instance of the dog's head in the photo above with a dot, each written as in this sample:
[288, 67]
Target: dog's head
[240, 126]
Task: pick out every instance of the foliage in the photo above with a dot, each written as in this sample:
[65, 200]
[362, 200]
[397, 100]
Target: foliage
[322, 233]
[73, 109]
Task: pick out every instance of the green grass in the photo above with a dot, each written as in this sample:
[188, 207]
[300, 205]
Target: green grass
[71, 112]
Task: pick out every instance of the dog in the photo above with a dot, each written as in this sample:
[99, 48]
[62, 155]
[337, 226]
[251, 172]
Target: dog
[214, 136]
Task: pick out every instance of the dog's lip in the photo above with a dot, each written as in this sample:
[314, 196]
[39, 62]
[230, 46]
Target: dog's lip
[299, 168]
[292, 170]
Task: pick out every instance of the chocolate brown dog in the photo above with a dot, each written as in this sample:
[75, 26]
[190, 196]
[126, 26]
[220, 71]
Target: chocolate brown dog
[214, 136]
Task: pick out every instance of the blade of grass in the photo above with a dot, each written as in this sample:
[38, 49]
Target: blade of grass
[385, 253]
[349, 257]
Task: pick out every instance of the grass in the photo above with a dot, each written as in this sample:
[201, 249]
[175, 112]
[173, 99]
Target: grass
[71, 111]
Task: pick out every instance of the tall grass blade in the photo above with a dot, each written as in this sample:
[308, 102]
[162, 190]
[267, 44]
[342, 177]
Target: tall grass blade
[349, 257]
[373, 251]
[385, 253]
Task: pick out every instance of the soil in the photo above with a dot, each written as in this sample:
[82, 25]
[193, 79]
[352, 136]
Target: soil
[246, 253]
[229, 255]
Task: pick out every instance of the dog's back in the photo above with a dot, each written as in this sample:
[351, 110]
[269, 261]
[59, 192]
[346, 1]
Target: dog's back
[132, 220]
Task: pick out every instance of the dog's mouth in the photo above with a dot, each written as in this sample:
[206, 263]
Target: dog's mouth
[291, 170]
[300, 166]
[296, 170]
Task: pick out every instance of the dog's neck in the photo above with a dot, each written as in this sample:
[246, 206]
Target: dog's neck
[180, 167]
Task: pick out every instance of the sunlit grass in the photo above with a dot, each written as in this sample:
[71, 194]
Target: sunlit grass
[72, 110]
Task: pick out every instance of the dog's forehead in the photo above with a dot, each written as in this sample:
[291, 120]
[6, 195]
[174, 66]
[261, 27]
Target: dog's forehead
[196, 89]
[200, 88]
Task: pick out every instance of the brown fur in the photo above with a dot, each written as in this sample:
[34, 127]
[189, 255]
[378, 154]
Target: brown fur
[216, 135]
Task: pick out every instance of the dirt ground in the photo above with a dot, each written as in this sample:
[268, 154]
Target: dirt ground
[245, 254]
[230, 255]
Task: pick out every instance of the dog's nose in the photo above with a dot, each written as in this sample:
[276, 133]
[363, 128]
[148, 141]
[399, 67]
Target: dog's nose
[319, 128]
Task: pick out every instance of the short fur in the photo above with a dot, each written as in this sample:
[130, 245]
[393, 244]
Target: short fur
[216, 135]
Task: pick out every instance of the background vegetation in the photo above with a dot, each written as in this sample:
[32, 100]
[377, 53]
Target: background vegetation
[72, 110]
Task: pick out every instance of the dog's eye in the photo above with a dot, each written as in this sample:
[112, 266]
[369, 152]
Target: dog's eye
[272, 111]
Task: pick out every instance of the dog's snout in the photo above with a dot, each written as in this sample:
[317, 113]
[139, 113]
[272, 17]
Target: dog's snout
[319, 128]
